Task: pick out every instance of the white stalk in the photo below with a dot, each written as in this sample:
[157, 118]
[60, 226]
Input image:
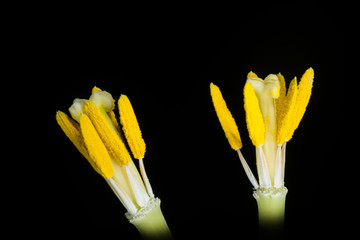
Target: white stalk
[140, 194]
[247, 169]
[278, 179]
[145, 178]
[263, 171]
[283, 150]
[122, 196]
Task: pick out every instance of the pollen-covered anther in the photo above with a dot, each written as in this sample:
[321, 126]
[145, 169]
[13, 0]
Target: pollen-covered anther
[254, 118]
[131, 127]
[95, 89]
[285, 113]
[302, 100]
[251, 75]
[111, 139]
[226, 119]
[99, 157]
[72, 131]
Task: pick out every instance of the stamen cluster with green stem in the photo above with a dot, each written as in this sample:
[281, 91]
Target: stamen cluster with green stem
[272, 115]
[97, 135]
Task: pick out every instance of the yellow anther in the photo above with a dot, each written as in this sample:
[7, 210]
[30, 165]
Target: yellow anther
[99, 157]
[302, 100]
[254, 118]
[109, 136]
[72, 131]
[131, 127]
[252, 75]
[95, 89]
[281, 99]
[282, 86]
[285, 113]
[226, 119]
[114, 121]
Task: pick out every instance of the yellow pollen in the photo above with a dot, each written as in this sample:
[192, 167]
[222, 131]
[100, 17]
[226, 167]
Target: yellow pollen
[251, 75]
[114, 121]
[109, 136]
[254, 118]
[302, 100]
[72, 131]
[131, 127]
[281, 99]
[226, 119]
[285, 113]
[99, 157]
[282, 86]
[95, 89]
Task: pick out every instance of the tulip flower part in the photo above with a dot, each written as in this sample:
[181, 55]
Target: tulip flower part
[272, 116]
[95, 132]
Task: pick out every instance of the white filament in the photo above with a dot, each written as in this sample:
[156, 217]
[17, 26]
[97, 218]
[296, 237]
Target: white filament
[247, 169]
[140, 193]
[263, 170]
[145, 178]
[122, 196]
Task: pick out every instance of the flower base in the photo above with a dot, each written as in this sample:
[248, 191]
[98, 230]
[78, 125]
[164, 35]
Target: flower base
[150, 221]
[271, 206]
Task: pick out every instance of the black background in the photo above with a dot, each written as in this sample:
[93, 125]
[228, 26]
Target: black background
[164, 58]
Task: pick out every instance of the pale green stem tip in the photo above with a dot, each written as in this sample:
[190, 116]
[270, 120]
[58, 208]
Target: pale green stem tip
[271, 206]
[150, 221]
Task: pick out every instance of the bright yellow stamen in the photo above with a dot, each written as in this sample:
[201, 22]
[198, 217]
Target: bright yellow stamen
[131, 127]
[107, 133]
[72, 131]
[99, 157]
[251, 75]
[95, 89]
[302, 100]
[114, 121]
[282, 88]
[254, 119]
[226, 119]
[285, 113]
[104, 101]
[281, 99]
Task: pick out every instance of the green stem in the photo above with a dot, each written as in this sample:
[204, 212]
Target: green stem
[150, 221]
[271, 206]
